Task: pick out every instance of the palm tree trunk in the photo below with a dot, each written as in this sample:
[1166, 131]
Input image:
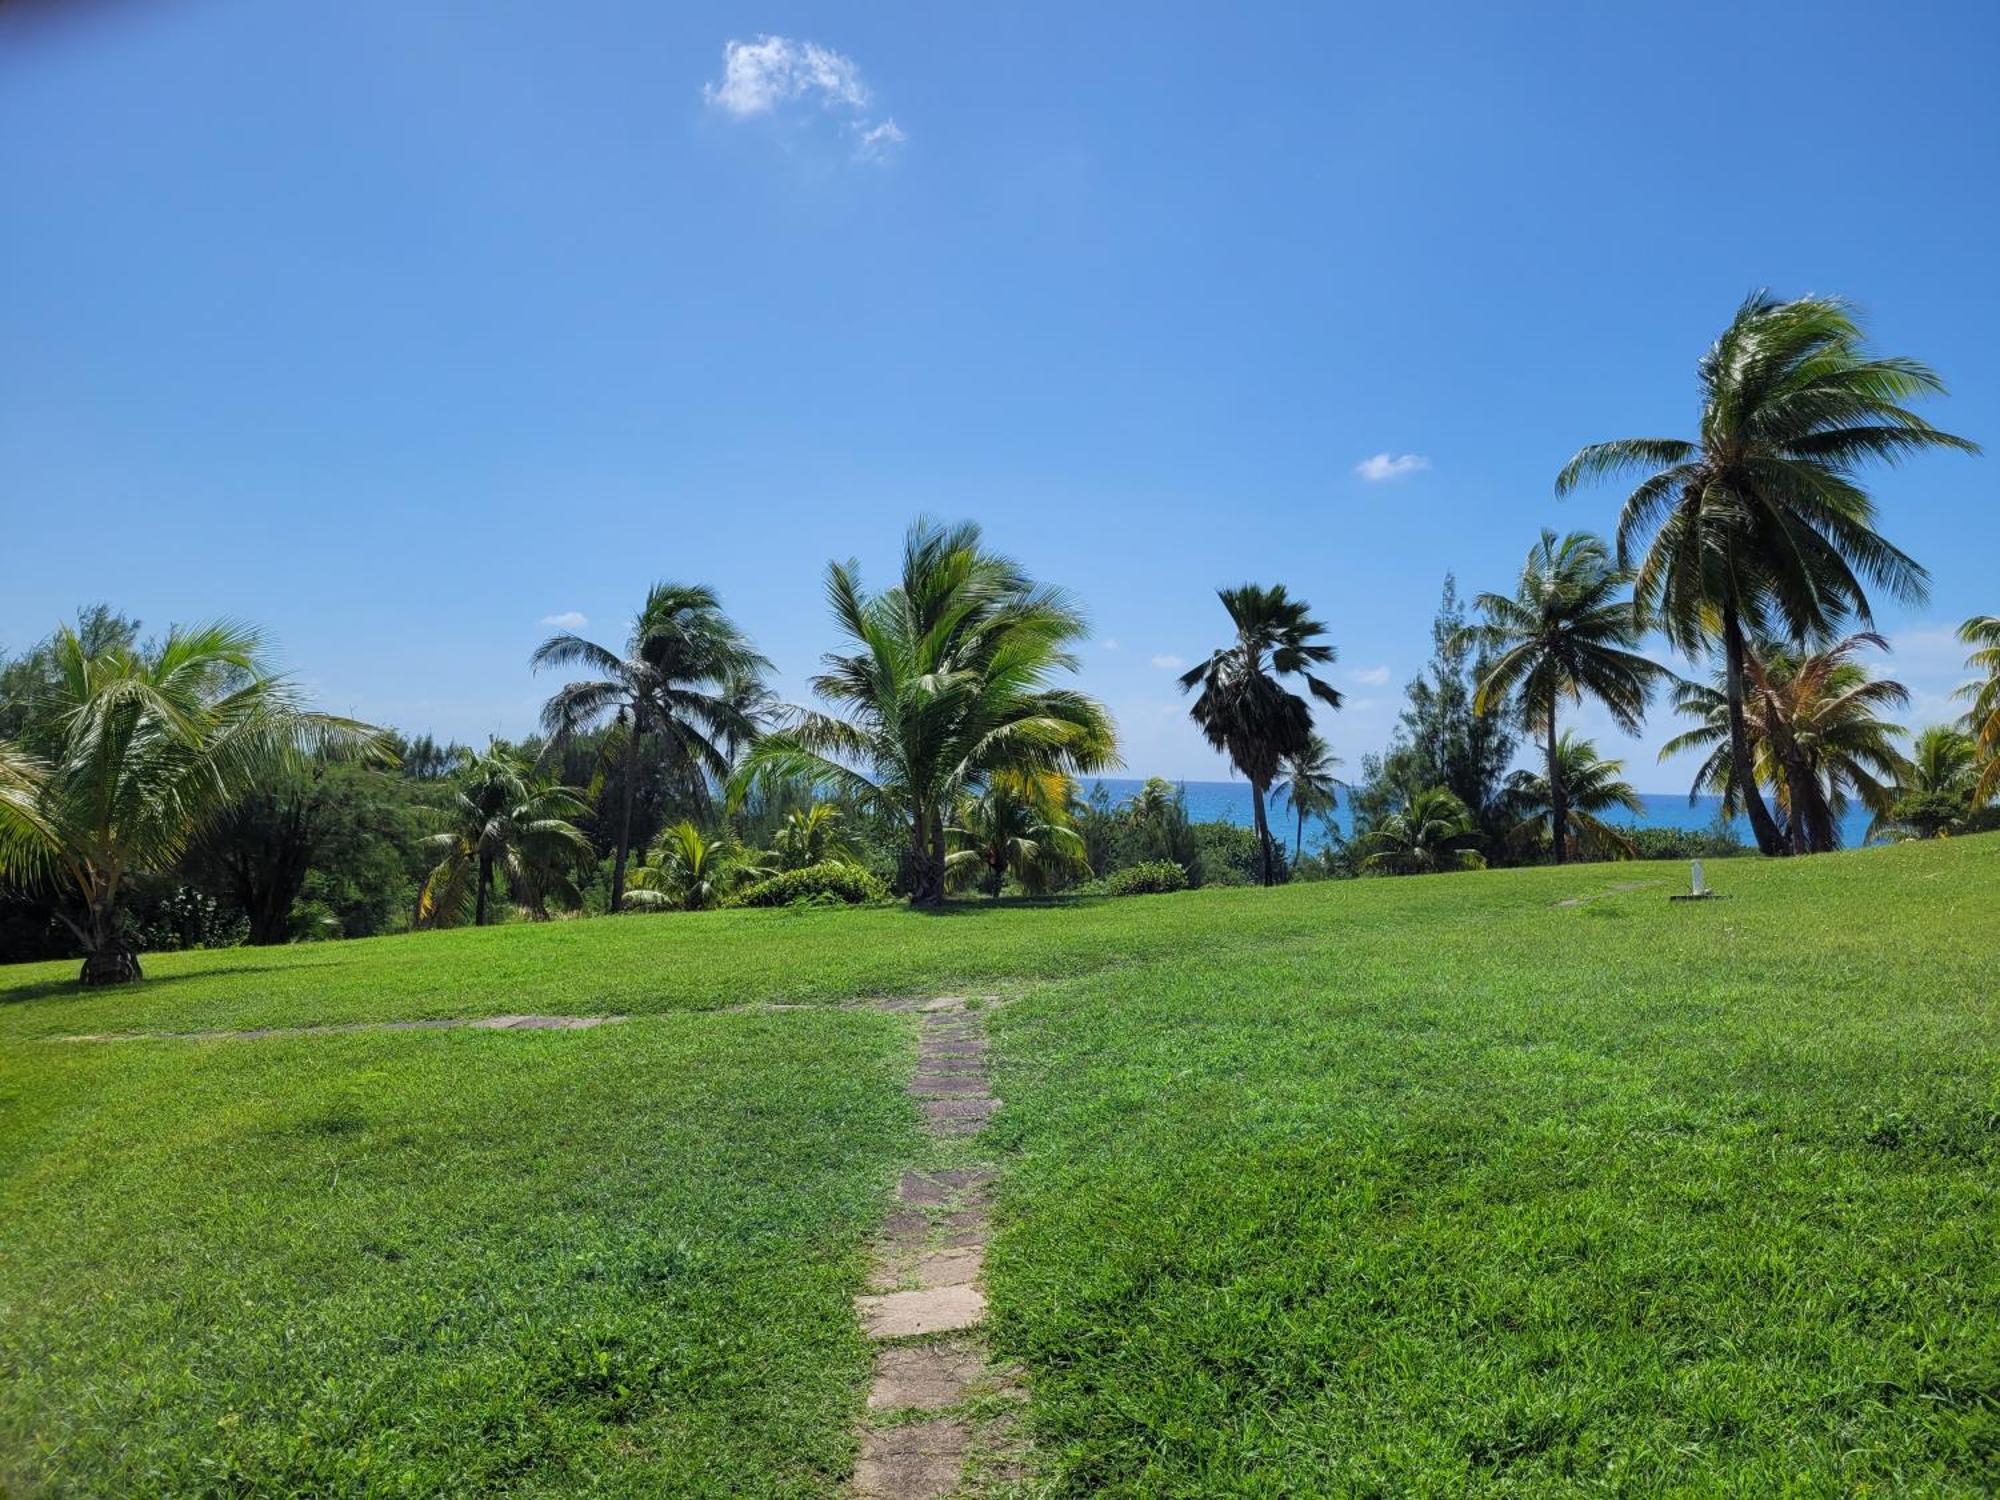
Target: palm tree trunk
[1802, 829]
[106, 959]
[926, 885]
[485, 885]
[1742, 765]
[1263, 830]
[625, 816]
[1299, 835]
[1558, 793]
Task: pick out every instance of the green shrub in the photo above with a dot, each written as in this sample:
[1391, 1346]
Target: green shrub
[816, 885]
[1155, 877]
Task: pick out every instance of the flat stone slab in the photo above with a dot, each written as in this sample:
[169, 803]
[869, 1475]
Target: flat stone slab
[917, 1461]
[937, 1110]
[947, 1085]
[922, 1375]
[951, 1066]
[959, 1267]
[900, 1315]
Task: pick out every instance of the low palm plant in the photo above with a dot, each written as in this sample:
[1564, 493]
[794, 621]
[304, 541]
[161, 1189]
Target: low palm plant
[128, 753]
[689, 870]
[1938, 790]
[26, 840]
[1016, 825]
[813, 835]
[1309, 787]
[1982, 719]
[501, 819]
[1592, 787]
[1429, 834]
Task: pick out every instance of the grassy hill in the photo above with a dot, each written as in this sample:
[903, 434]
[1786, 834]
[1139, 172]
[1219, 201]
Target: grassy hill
[1521, 1181]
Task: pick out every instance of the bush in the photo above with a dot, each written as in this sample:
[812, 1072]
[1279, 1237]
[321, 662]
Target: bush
[816, 885]
[1155, 877]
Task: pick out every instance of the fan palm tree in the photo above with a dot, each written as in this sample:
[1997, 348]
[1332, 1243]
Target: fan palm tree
[128, 753]
[1760, 524]
[1982, 720]
[1591, 787]
[1817, 738]
[1432, 832]
[811, 836]
[687, 676]
[1015, 824]
[950, 684]
[1938, 788]
[1568, 632]
[1309, 787]
[689, 870]
[1244, 709]
[500, 819]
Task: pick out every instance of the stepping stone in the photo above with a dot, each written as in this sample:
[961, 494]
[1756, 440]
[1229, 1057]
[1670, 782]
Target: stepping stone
[959, 1267]
[943, 1003]
[951, 1129]
[901, 1315]
[919, 1189]
[964, 1229]
[939, 1110]
[966, 1178]
[918, 1461]
[951, 1065]
[947, 1086]
[906, 1226]
[922, 1375]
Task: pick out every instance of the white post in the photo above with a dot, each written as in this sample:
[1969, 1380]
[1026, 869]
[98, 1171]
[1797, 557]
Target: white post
[1700, 887]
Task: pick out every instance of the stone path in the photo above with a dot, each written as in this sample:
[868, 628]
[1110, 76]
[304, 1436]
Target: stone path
[478, 1023]
[939, 1413]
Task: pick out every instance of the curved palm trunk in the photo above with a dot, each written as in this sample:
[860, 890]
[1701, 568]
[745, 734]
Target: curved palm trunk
[1743, 765]
[1558, 793]
[1801, 797]
[1299, 835]
[1263, 830]
[625, 817]
[485, 889]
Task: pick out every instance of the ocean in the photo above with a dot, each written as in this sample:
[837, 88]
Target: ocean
[1229, 801]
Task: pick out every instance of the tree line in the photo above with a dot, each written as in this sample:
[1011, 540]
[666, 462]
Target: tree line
[175, 791]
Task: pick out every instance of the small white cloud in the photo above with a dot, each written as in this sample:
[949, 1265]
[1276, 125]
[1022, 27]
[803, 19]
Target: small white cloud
[1110, 644]
[1166, 661]
[761, 77]
[1372, 676]
[1390, 466]
[569, 619]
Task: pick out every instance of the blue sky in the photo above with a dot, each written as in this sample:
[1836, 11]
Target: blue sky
[398, 329]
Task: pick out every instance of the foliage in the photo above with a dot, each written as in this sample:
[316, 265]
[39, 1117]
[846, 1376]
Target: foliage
[1018, 826]
[949, 684]
[1244, 709]
[1718, 841]
[1592, 786]
[1937, 791]
[688, 870]
[1156, 877]
[833, 884]
[1309, 788]
[1761, 528]
[812, 835]
[502, 819]
[1982, 719]
[1428, 833]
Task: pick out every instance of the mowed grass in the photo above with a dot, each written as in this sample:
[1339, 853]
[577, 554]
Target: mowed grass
[614, 1262]
[1421, 1186]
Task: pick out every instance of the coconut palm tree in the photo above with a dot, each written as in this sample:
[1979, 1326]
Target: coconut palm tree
[500, 819]
[1016, 824]
[1936, 793]
[1817, 738]
[811, 836]
[1760, 524]
[1568, 632]
[687, 676]
[129, 752]
[1309, 787]
[1430, 833]
[950, 683]
[1982, 720]
[1591, 787]
[1244, 709]
[26, 839]
[689, 870]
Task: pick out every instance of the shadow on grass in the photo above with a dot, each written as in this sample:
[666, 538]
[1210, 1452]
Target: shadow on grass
[73, 989]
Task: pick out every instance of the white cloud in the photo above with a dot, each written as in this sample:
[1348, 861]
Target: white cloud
[1110, 644]
[1372, 676]
[762, 77]
[1166, 661]
[569, 619]
[1390, 466]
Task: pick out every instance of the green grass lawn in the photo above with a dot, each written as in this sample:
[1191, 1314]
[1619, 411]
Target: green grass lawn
[1392, 1187]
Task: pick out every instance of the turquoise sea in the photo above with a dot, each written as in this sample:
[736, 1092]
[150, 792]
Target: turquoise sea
[1229, 801]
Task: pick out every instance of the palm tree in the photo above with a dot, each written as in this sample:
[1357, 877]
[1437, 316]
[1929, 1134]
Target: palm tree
[692, 871]
[1016, 824]
[1429, 834]
[1591, 787]
[500, 819]
[1816, 737]
[811, 836]
[1309, 787]
[688, 676]
[949, 684]
[1937, 791]
[1982, 720]
[128, 753]
[26, 839]
[1568, 632]
[1244, 710]
[1760, 524]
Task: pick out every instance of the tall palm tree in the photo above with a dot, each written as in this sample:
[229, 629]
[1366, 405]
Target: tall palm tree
[1568, 632]
[134, 751]
[1760, 524]
[1244, 709]
[501, 819]
[689, 870]
[1309, 787]
[1015, 824]
[1982, 720]
[950, 683]
[1938, 788]
[1591, 787]
[1429, 834]
[1817, 738]
[687, 676]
